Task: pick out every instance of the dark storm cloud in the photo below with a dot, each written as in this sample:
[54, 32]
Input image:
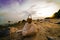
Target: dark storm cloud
[8, 2]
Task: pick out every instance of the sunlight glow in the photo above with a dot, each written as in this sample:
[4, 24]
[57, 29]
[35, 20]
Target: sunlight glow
[45, 11]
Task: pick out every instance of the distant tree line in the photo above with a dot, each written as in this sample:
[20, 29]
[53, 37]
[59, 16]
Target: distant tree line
[57, 14]
[19, 23]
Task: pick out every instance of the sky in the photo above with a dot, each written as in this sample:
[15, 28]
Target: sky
[15, 10]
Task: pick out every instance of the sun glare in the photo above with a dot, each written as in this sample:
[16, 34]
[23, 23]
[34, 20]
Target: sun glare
[45, 11]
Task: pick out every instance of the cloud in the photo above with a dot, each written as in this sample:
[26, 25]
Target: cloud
[17, 11]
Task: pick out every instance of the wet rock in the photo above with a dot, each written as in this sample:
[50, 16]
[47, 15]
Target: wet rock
[57, 23]
[50, 38]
